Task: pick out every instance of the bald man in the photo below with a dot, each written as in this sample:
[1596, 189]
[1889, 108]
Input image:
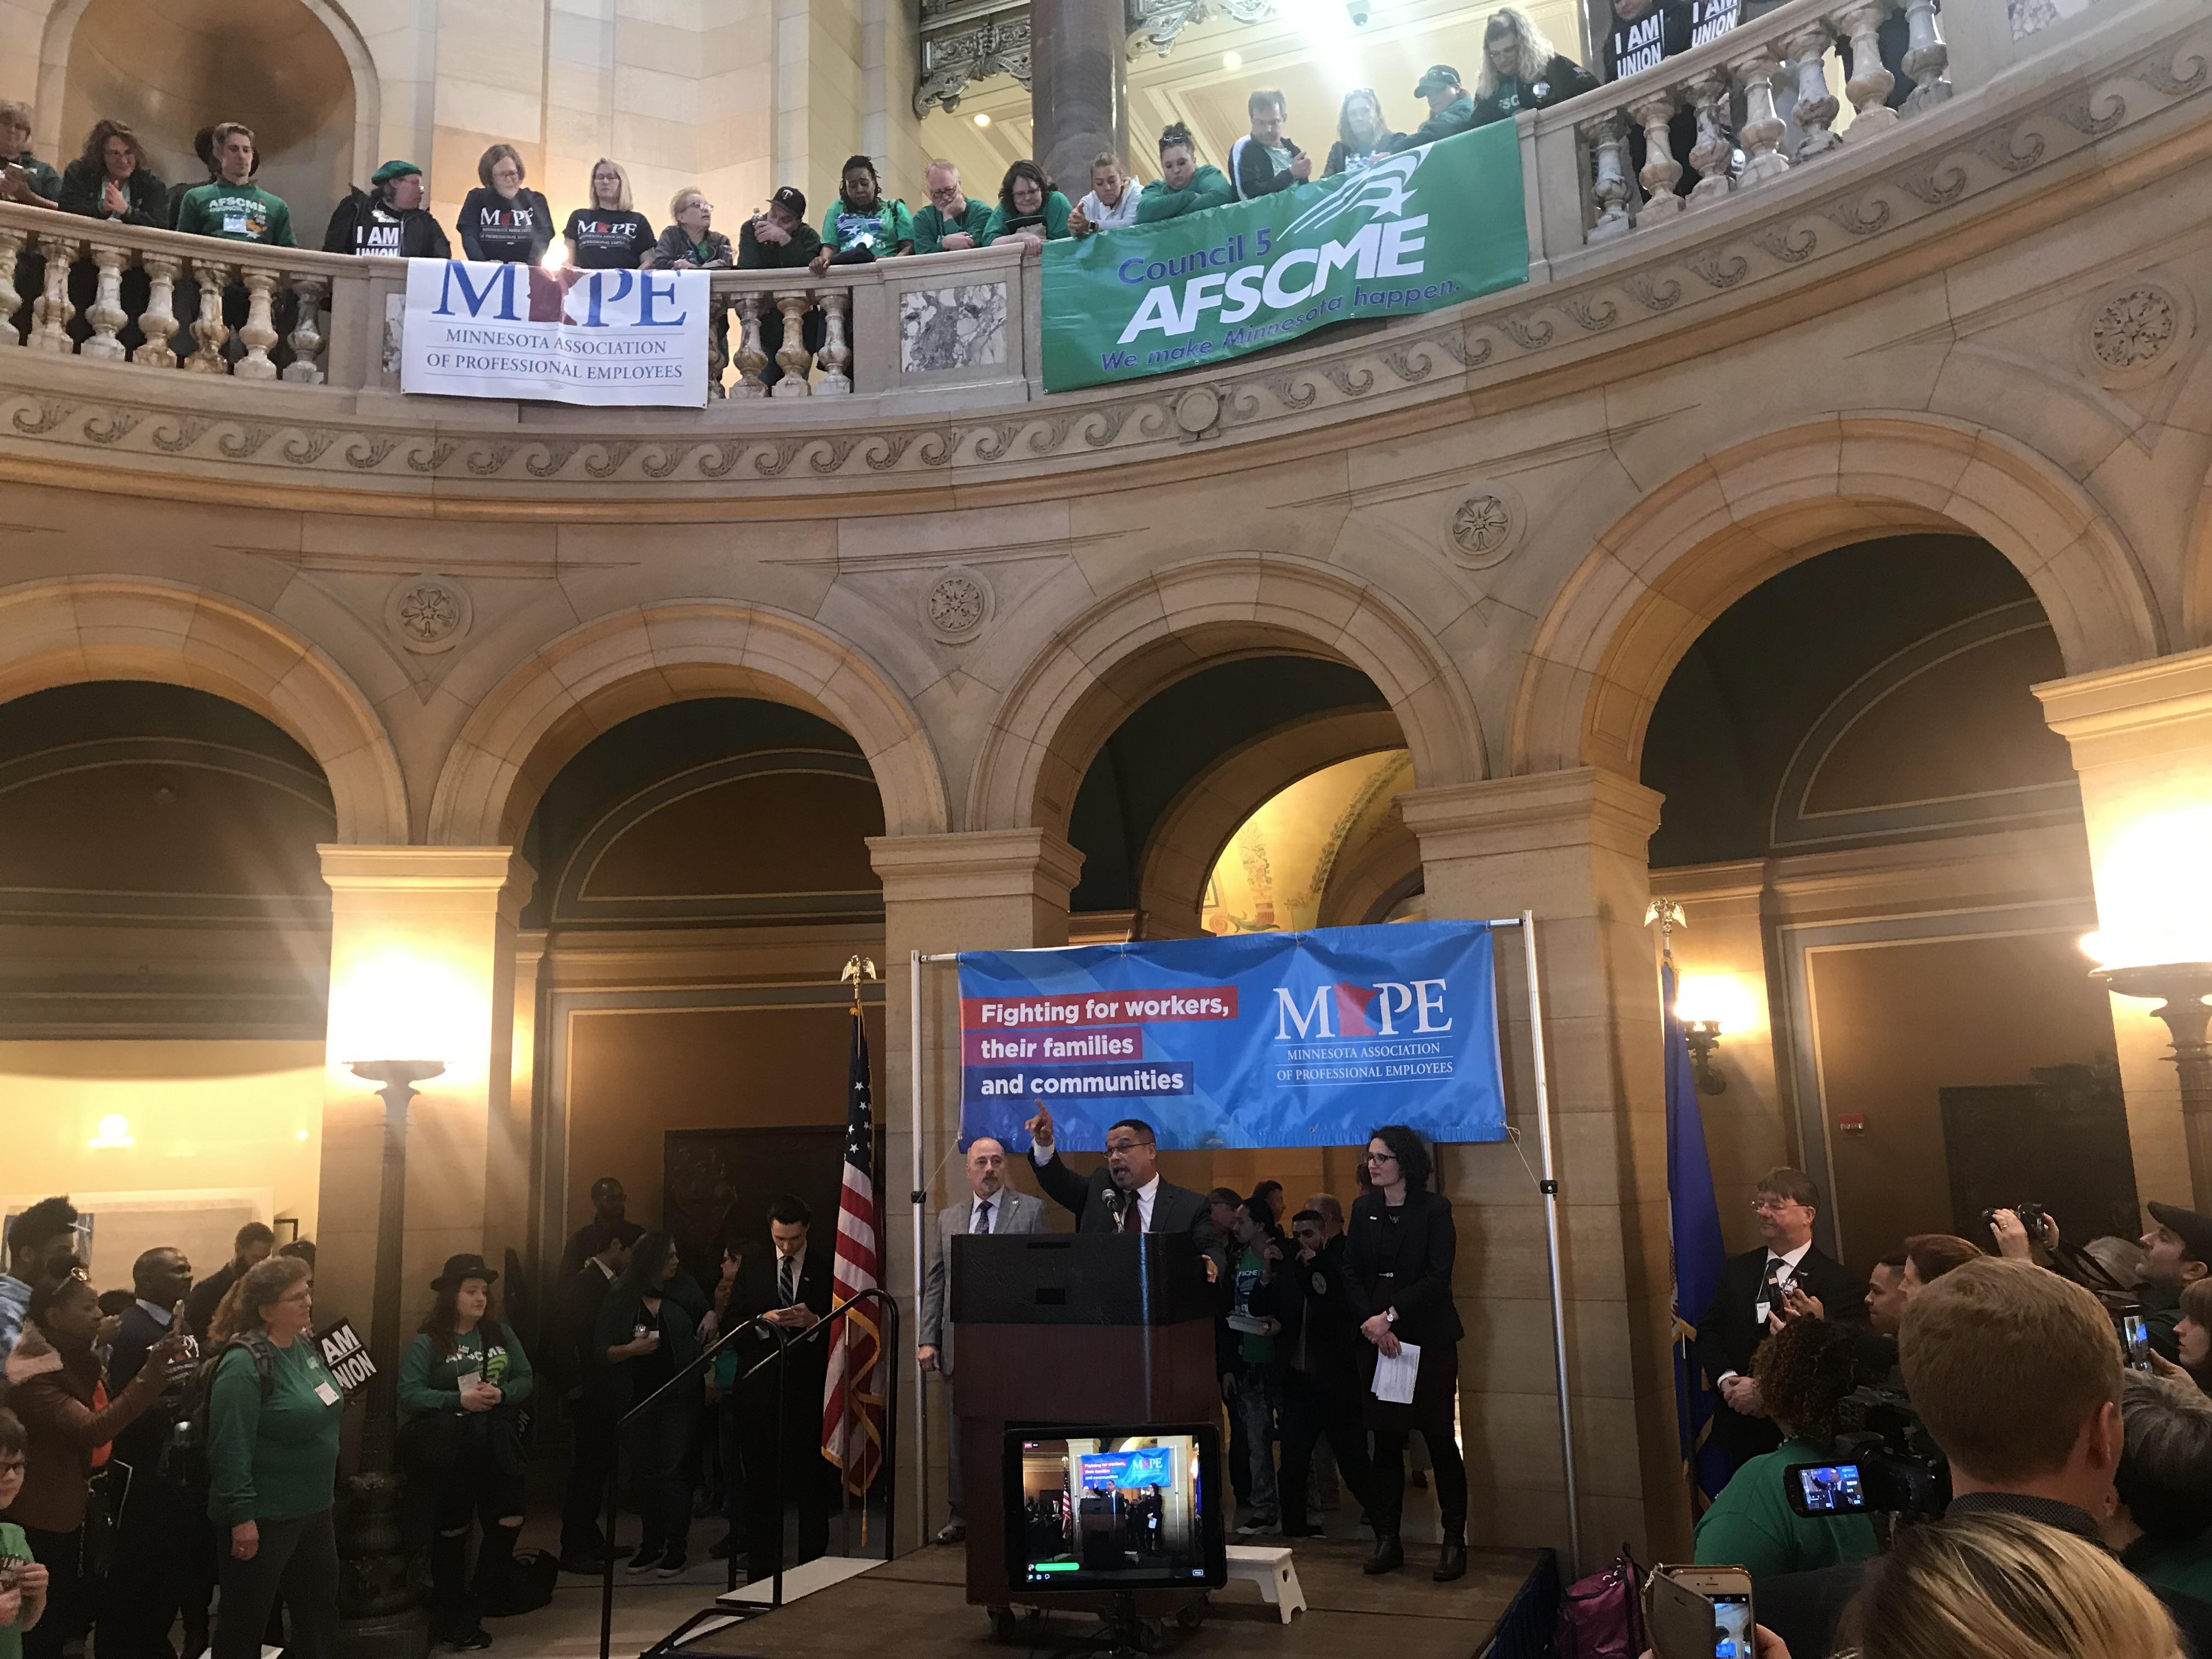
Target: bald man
[991, 1207]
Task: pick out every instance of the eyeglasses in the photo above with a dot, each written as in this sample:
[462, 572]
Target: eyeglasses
[1382, 1157]
[1127, 1144]
[1772, 1206]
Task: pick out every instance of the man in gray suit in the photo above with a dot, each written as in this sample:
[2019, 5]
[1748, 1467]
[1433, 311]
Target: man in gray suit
[992, 1206]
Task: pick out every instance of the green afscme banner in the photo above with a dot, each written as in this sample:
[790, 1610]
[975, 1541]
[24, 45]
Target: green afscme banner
[1429, 227]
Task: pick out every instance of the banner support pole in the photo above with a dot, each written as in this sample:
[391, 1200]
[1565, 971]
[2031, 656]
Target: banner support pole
[1550, 1188]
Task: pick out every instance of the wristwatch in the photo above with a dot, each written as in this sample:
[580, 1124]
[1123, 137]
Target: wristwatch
[1389, 1316]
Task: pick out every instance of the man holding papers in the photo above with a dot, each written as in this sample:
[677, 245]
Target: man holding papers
[1398, 1278]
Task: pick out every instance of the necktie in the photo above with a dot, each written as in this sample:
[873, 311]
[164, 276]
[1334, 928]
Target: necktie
[785, 1285]
[983, 1216]
[1132, 1217]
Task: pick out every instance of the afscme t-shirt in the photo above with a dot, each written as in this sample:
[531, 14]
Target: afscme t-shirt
[1711, 19]
[609, 239]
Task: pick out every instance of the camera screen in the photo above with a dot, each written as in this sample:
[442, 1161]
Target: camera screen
[1114, 1510]
[2135, 1335]
[1732, 1613]
[1832, 1489]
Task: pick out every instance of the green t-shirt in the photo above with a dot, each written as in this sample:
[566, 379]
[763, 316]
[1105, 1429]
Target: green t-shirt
[1049, 220]
[1752, 1525]
[1253, 1350]
[431, 1382]
[15, 1550]
[1208, 189]
[237, 213]
[2183, 1565]
[275, 1460]
[931, 227]
[882, 229]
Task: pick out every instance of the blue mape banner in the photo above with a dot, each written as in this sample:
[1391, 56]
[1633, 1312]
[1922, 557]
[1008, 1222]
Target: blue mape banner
[1252, 1040]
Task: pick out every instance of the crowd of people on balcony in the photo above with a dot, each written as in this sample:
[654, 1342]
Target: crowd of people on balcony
[503, 219]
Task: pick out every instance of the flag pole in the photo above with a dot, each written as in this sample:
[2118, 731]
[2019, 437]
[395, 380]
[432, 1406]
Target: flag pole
[1551, 1191]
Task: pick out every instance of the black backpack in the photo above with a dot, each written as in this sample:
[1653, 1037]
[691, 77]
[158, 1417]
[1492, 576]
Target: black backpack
[525, 1587]
[187, 1464]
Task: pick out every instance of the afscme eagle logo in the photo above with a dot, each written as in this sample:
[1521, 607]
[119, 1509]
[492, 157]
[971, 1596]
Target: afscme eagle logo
[1381, 190]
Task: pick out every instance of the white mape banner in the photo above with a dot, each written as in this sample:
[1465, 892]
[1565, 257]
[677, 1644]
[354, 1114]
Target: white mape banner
[573, 337]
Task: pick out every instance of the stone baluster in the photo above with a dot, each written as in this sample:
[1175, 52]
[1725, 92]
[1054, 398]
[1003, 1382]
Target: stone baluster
[1871, 82]
[1662, 171]
[751, 357]
[50, 316]
[1927, 58]
[106, 313]
[793, 353]
[1611, 189]
[11, 249]
[305, 339]
[718, 341]
[836, 351]
[208, 327]
[158, 322]
[260, 330]
[1715, 149]
[1816, 108]
[1763, 126]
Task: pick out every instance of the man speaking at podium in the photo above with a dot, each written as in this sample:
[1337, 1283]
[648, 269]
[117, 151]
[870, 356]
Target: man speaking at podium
[1125, 1196]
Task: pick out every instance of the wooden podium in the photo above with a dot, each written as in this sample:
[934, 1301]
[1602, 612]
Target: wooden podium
[1071, 1329]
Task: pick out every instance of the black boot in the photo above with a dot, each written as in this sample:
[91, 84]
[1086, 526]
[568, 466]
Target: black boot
[1451, 1561]
[1388, 1556]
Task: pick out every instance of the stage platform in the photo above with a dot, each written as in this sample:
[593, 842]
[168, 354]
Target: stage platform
[915, 1607]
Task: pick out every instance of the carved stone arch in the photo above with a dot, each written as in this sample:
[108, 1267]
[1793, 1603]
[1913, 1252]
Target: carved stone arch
[77, 629]
[59, 37]
[1692, 548]
[1187, 841]
[1104, 664]
[593, 678]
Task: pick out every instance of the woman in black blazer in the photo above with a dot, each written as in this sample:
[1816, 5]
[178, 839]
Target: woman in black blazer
[1398, 1277]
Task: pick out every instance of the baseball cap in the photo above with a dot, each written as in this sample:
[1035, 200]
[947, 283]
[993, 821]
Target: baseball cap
[792, 196]
[1439, 77]
[2194, 1230]
[391, 170]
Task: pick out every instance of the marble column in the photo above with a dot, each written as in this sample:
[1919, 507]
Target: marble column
[988, 889]
[2141, 738]
[422, 967]
[1079, 86]
[1572, 847]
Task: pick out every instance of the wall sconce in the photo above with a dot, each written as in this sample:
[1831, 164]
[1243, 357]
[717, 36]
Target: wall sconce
[2179, 989]
[1703, 1036]
[114, 1132]
[1707, 1005]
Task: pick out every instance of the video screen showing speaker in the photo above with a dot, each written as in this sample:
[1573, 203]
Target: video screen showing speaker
[1093, 1507]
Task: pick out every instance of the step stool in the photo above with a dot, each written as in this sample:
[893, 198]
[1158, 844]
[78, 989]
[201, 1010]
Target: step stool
[1273, 1571]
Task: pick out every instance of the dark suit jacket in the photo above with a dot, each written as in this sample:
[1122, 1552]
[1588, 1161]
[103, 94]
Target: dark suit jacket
[140, 1444]
[756, 1293]
[206, 1296]
[574, 1358]
[1421, 1288]
[1730, 1333]
[1314, 1304]
[1175, 1209]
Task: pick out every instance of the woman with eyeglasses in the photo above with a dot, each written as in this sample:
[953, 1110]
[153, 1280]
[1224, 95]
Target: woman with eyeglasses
[1398, 1278]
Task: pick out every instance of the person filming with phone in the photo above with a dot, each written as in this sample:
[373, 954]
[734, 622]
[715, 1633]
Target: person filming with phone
[164, 1544]
[649, 1330]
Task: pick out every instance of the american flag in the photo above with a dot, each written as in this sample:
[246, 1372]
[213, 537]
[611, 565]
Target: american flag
[852, 1400]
